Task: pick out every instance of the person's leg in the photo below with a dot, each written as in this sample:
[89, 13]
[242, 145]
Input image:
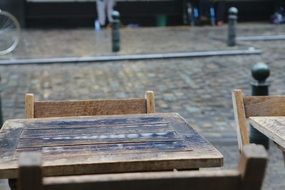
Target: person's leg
[204, 7]
[101, 12]
[195, 3]
[193, 11]
[110, 8]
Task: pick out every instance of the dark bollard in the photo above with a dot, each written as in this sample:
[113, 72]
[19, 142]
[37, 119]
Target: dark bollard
[232, 20]
[260, 72]
[115, 31]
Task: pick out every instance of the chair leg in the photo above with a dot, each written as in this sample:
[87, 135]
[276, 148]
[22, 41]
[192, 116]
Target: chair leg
[13, 184]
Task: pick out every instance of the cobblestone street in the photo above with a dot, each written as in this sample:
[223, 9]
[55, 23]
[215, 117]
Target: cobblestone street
[197, 88]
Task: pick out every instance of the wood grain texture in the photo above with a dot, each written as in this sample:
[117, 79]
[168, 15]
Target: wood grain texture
[199, 180]
[240, 118]
[9, 140]
[244, 178]
[150, 102]
[248, 106]
[89, 107]
[252, 166]
[87, 145]
[29, 105]
[67, 108]
[272, 127]
[264, 106]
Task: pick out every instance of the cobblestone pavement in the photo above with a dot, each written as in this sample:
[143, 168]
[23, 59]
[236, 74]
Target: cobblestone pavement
[197, 88]
[86, 42]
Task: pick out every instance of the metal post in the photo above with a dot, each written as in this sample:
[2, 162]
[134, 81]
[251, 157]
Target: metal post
[115, 31]
[260, 72]
[232, 20]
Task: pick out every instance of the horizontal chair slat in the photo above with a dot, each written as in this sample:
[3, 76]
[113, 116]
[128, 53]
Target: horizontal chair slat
[228, 179]
[264, 105]
[248, 175]
[88, 107]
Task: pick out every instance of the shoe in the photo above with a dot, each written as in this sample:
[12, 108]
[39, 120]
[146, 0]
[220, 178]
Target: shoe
[220, 23]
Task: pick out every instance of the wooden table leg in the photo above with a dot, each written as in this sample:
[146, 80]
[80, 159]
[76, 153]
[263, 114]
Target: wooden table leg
[13, 184]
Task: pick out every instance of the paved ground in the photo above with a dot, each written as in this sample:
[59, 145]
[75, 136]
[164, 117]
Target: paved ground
[197, 88]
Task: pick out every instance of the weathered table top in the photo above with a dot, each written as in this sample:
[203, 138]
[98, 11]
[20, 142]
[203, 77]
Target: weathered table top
[105, 144]
[272, 127]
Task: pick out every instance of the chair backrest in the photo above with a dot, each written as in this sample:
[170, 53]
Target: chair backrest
[248, 176]
[41, 109]
[248, 106]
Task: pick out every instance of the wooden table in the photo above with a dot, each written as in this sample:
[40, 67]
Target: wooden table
[106, 144]
[272, 127]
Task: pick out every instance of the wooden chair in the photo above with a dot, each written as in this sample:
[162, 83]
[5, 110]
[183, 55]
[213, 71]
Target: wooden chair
[248, 176]
[248, 106]
[40, 109]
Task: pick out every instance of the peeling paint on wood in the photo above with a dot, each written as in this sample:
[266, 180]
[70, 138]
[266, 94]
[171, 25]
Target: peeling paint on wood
[103, 144]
